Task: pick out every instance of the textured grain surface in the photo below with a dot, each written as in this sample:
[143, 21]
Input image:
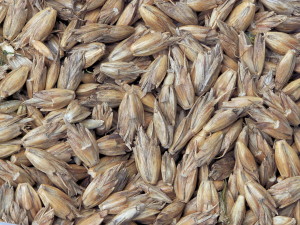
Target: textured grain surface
[151, 112]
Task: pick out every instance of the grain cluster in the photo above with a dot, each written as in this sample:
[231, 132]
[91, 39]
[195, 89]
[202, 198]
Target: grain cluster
[159, 112]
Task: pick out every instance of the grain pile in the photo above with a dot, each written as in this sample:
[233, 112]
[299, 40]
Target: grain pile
[150, 112]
